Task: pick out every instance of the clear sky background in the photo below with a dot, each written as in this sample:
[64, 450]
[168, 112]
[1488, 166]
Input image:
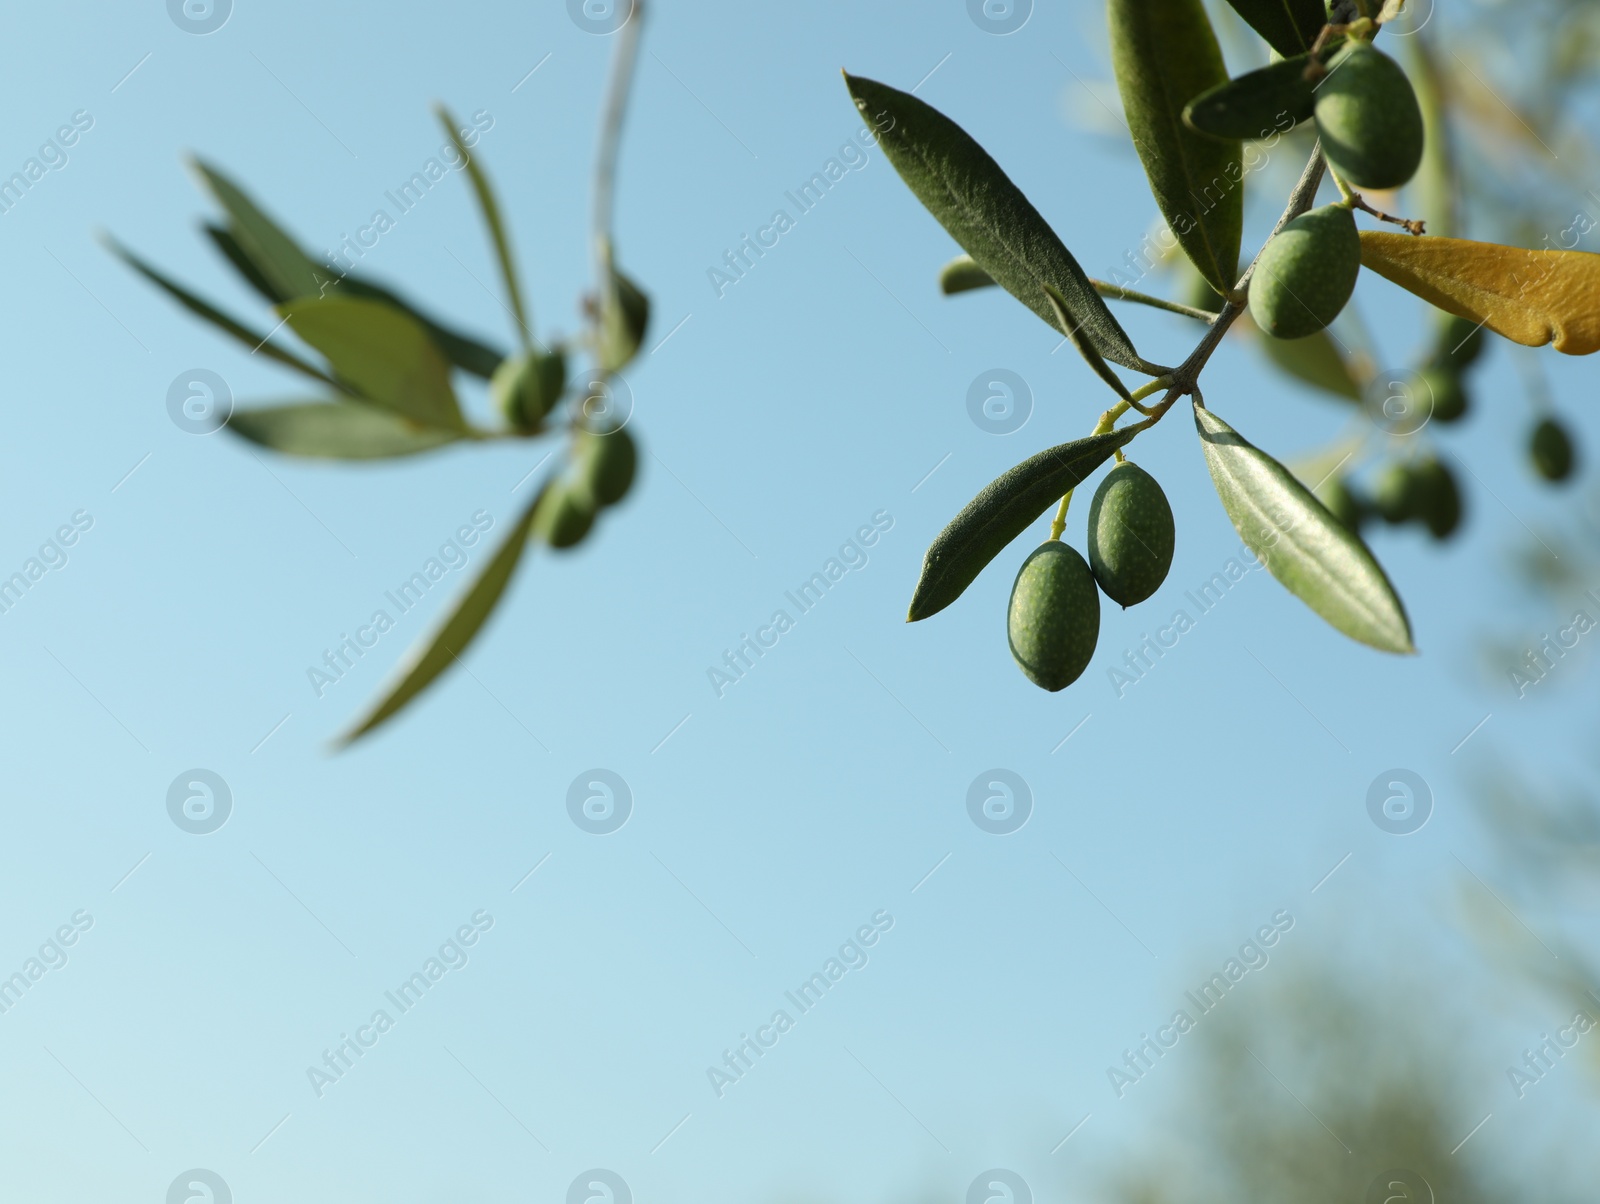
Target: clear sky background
[768, 824]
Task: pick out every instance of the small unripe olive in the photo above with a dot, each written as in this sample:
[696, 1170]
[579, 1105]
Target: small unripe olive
[1306, 273]
[1335, 493]
[1130, 534]
[1448, 395]
[1551, 450]
[608, 463]
[1460, 343]
[1396, 499]
[525, 386]
[1053, 621]
[1437, 498]
[564, 516]
[1368, 118]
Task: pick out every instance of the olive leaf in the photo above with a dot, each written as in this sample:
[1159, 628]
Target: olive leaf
[277, 258]
[624, 318]
[962, 275]
[431, 656]
[958, 182]
[1302, 544]
[490, 209]
[1530, 297]
[336, 430]
[256, 341]
[1289, 26]
[1315, 359]
[1165, 54]
[1257, 104]
[1001, 512]
[385, 354]
[1084, 348]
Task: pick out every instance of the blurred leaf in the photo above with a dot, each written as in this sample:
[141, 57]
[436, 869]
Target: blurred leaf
[491, 218]
[1289, 26]
[1165, 54]
[1000, 513]
[335, 430]
[957, 181]
[463, 351]
[278, 259]
[1530, 297]
[962, 275]
[1315, 359]
[434, 654]
[198, 306]
[1301, 543]
[384, 353]
[1275, 98]
[225, 242]
[624, 318]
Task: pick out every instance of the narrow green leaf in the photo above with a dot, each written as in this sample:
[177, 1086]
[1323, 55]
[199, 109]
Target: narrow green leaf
[957, 181]
[1257, 104]
[491, 218]
[1000, 513]
[255, 341]
[1315, 359]
[1084, 348]
[336, 430]
[222, 238]
[1289, 26]
[1165, 54]
[962, 275]
[1302, 544]
[464, 351]
[277, 257]
[624, 317]
[385, 354]
[434, 654]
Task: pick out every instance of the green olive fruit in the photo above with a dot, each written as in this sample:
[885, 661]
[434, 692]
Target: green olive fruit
[1397, 498]
[525, 387]
[608, 463]
[1551, 450]
[1448, 395]
[1130, 534]
[1460, 343]
[1368, 118]
[1342, 502]
[1053, 621]
[564, 516]
[1437, 497]
[1306, 273]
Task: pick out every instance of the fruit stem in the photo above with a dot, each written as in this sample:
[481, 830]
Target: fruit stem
[1059, 523]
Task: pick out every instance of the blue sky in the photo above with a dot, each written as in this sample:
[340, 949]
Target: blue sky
[769, 824]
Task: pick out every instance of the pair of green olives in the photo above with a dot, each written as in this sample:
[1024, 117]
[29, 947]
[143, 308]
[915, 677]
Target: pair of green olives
[1423, 491]
[1053, 621]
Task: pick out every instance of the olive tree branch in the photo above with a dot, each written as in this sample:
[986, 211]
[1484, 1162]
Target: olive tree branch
[616, 106]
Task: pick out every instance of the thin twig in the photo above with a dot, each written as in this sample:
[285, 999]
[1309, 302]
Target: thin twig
[616, 107]
[1116, 292]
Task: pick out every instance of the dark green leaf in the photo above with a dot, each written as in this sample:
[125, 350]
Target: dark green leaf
[384, 353]
[336, 430]
[962, 275]
[1165, 54]
[1303, 545]
[624, 317]
[434, 654]
[1256, 105]
[463, 351]
[491, 218]
[1000, 513]
[256, 342]
[277, 257]
[225, 242]
[987, 214]
[1289, 26]
[1084, 348]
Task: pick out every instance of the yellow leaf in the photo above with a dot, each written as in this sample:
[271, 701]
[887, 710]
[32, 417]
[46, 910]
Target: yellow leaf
[1530, 297]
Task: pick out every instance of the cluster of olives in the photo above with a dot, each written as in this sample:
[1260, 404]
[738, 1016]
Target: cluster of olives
[1422, 491]
[526, 388]
[1053, 621]
[1371, 129]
